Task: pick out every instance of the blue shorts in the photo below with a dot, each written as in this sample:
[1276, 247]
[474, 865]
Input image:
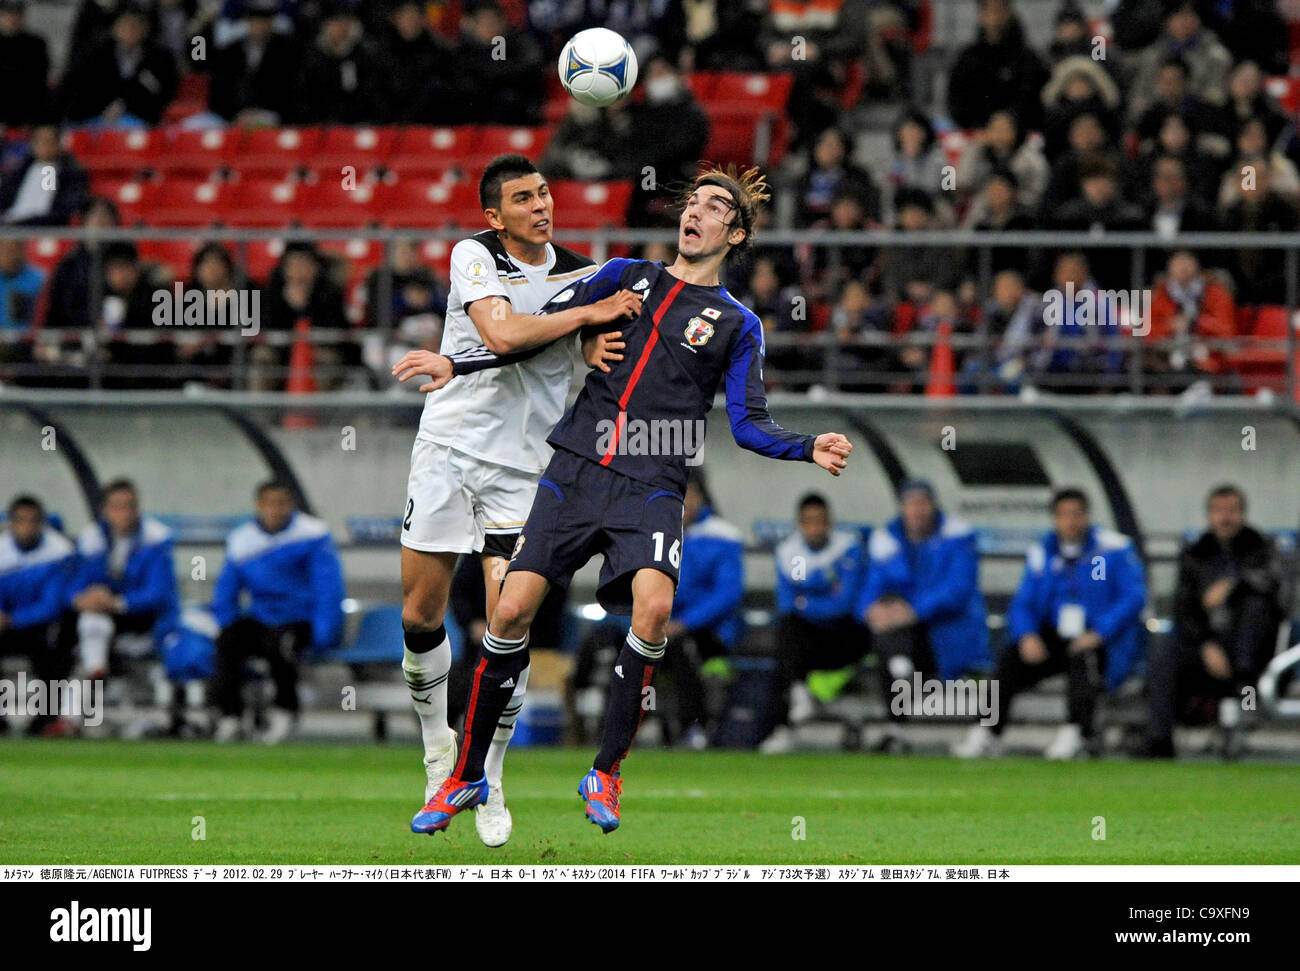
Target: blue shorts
[582, 509]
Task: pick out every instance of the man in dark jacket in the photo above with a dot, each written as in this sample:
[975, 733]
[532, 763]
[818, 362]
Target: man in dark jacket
[48, 189]
[124, 78]
[999, 70]
[340, 78]
[24, 69]
[419, 64]
[1227, 610]
[257, 72]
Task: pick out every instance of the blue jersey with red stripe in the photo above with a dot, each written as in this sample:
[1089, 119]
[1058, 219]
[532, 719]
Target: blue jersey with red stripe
[645, 419]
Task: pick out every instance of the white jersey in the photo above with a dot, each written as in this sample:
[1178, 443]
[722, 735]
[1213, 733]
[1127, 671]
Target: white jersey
[502, 415]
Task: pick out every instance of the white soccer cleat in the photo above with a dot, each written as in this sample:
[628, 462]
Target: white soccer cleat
[802, 706]
[979, 743]
[780, 742]
[439, 767]
[279, 726]
[1067, 745]
[228, 729]
[492, 819]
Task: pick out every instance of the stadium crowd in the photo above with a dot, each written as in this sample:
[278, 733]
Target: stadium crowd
[908, 597]
[1150, 115]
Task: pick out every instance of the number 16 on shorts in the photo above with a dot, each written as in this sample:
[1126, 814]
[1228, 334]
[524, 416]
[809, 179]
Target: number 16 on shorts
[674, 551]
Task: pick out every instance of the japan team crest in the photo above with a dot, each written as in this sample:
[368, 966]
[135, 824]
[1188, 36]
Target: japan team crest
[698, 332]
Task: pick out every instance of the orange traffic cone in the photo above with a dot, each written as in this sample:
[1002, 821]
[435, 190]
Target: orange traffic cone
[942, 366]
[302, 379]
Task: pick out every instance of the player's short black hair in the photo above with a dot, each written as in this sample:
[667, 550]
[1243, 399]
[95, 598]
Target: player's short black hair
[499, 171]
[277, 484]
[1066, 495]
[25, 501]
[120, 485]
[1227, 489]
[814, 500]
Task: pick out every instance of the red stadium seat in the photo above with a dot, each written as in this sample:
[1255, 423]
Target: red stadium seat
[732, 90]
[731, 138]
[361, 255]
[591, 205]
[424, 149]
[1264, 367]
[363, 147]
[191, 98]
[45, 252]
[199, 152]
[128, 196]
[497, 140]
[1287, 92]
[428, 202]
[175, 254]
[182, 202]
[327, 204]
[124, 151]
[277, 152]
[259, 202]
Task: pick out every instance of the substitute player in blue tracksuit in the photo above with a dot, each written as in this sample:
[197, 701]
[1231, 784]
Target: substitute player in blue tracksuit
[286, 563]
[615, 484]
[125, 583]
[922, 600]
[1078, 610]
[706, 620]
[36, 564]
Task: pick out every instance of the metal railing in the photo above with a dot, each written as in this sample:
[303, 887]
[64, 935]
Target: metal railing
[831, 367]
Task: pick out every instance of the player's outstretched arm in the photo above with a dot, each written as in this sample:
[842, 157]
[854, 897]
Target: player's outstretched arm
[506, 332]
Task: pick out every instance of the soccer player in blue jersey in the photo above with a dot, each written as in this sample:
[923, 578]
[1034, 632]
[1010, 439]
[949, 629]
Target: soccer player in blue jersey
[615, 484]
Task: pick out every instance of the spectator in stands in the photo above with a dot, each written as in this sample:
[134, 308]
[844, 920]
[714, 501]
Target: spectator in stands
[1176, 139]
[69, 303]
[420, 66]
[721, 36]
[213, 273]
[1078, 610]
[286, 564]
[24, 69]
[819, 572]
[862, 326]
[997, 209]
[48, 189]
[127, 306]
[36, 564]
[1260, 274]
[1013, 320]
[833, 264]
[769, 294]
[1079, 85]
[830, 173]
[1189, 305]
[1173, 96]
[254, 76]
[1184, 37]
[1078, 335]
[912, 274]
[921, 600]
[1172, 208]
[125, 79]
[507, 90]
[1227, 610]
[589, 144]
[918, 158]
[998, 71]
[681, 133]
[1099, 208]
[1071, 34]
[1247, 99]
[1252, 143]
[416, 301]
[300, 289]
[20, 287]
[1088, 140]
[1003, 145]
[706, 621]
[340, 78]
[1252, 30]
[123, 594]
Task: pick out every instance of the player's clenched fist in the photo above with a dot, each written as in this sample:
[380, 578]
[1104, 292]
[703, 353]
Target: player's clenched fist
[436, 366]
[830, 452]
[625, 303]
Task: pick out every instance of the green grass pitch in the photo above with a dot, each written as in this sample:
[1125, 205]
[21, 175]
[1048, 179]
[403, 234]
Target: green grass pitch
[89, 802]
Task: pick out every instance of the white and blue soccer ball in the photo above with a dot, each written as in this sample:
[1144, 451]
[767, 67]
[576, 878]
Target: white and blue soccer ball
[597, 66]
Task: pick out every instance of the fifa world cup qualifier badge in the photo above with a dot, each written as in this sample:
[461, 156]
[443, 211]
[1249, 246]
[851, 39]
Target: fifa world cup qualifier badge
[477, 273]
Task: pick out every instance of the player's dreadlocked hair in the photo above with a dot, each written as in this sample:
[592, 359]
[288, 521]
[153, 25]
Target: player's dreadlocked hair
[748, 191]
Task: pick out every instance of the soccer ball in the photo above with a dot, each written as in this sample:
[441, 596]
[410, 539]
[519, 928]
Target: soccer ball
[597, 66]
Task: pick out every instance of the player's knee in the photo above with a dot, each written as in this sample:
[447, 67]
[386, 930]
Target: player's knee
[417, 617]
[511, 618]
[651, 616]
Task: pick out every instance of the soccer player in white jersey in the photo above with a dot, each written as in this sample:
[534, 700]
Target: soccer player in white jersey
[482, 446]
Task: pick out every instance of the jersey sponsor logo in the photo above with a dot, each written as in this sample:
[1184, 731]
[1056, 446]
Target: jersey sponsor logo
[711, 313]
[698, 331]
[478, 273]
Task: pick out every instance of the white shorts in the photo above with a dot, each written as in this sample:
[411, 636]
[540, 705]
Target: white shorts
[456, 504]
